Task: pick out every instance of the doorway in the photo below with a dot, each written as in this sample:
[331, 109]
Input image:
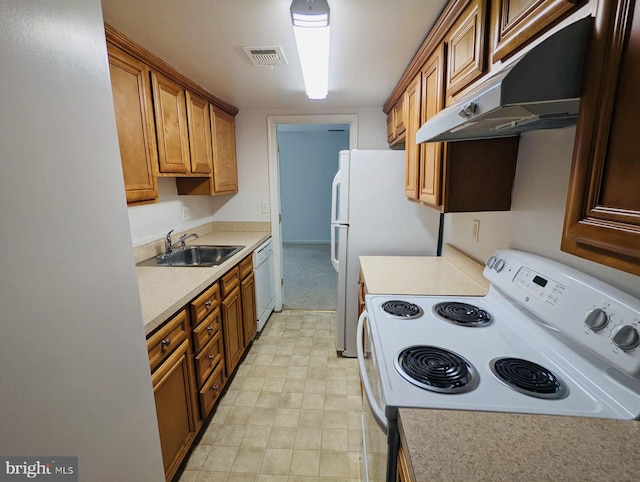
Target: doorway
[306, 297]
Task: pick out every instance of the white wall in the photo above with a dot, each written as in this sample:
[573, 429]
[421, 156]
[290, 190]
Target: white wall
[75, 374]
[308, 163]
[149, 222]
[253, 160]
[536, 218]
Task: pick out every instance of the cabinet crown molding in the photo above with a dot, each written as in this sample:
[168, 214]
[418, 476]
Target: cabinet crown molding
[118, 39]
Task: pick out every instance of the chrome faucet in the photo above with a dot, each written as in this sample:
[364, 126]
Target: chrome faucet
[169, 246]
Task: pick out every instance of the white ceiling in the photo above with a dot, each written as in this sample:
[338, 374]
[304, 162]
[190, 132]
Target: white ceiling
[372, 42]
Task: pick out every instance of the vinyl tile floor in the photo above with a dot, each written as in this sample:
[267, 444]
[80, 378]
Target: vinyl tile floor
[291, 413]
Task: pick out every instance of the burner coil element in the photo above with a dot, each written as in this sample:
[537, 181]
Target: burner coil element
[529, 378]
[463, 314]
[402, 309]
[436, 369]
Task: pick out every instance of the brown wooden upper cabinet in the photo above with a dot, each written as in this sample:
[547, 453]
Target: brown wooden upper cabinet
[515, 23]
[412, 150]
[225, 171]
[459, 176]
[134, 120]
[466, 47]
[602, 218]
[199, 127]
[169, 101]
[168, 126]
[395, 124]
[432, 102]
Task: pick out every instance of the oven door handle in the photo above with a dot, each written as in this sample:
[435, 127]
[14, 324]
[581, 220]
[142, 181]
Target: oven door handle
[378, 414]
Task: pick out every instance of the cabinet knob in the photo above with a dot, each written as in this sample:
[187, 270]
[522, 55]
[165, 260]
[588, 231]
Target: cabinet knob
[211, 357]
[209, 329]
[214, 388]
[166, 342]
[207, 303]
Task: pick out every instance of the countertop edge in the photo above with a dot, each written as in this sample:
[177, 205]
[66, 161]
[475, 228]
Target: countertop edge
[198, 286]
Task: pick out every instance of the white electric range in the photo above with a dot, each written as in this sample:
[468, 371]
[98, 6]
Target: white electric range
[546, 339]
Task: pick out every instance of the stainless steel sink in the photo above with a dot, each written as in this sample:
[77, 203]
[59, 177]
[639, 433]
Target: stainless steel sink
[194, 256]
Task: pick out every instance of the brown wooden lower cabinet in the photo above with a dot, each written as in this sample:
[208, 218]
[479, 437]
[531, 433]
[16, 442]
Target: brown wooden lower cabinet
[176, 406]
[403, 473]
[232, 329]
[184, 377]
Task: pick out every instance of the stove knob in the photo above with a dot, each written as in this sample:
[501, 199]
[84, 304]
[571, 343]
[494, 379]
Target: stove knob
[499, 265]
[597, 319]
[627, 338]
[490, 262]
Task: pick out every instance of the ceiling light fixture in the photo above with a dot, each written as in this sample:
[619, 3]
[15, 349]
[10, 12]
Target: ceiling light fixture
[310, 20]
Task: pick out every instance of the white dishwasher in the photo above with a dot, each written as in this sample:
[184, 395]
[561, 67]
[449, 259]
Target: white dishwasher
[265, 289]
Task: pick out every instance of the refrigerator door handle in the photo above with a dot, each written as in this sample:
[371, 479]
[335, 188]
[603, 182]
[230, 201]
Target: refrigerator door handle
[334, 199]
[334, 248]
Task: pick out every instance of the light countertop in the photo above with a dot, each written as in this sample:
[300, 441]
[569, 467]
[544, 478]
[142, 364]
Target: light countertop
[164, 290]
[451, 274]
[450, 445]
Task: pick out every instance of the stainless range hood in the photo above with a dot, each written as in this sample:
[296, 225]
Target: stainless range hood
[539, 91]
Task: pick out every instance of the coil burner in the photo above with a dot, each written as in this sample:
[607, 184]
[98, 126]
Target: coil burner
[436, 369]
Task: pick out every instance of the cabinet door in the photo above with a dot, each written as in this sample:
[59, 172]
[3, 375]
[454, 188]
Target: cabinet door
[174, 392]
[391, 127]
[199, 123]
[232, 329]
[412, 150]
[398, 118]
[225, 168]
[171, 125]
[249, 317]
[602, 219]
[516, 22]
[134, 121]
[431, 152]
[466, 48]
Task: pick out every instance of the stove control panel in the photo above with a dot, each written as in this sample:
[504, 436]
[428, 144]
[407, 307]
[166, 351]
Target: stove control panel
[545, 289]
[598, 316]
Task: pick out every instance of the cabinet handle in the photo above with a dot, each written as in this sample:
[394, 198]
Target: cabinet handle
[166, 342]
[207, 303]
[209, 329]
[211, 357]
[214, 388]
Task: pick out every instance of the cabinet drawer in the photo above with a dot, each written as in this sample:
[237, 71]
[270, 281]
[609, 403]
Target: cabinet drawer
[211, 390]
[163, 342]
[209, 357]
[205, 304]
[229, 281]
[206, 330]
[246, 266]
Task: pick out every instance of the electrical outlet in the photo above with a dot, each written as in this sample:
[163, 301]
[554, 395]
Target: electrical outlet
[185, 213]
[475, 232]
[265, 207]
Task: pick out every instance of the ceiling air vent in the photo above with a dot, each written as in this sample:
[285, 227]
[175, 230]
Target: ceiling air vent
[265, 56]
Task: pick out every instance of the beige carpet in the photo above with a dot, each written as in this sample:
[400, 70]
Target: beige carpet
[310, 282]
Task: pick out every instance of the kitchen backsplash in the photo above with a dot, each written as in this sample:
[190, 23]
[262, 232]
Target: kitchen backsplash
[536, 218]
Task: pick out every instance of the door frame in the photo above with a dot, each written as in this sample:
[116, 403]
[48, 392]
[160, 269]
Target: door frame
[274, 178]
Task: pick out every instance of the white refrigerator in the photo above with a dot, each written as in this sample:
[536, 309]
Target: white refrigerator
[371, 216]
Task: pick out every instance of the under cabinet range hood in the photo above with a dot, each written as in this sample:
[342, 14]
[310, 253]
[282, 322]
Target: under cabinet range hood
[539, 91]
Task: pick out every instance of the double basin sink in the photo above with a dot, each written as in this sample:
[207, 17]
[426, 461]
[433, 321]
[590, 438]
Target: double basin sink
[202, 255]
